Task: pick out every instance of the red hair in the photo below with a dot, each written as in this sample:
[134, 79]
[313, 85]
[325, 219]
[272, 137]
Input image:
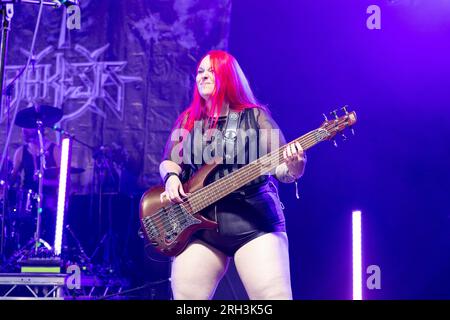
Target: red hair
[231, 86]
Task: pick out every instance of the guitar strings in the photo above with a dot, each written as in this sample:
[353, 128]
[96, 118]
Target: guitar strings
[309, 140]
[193, 201]
[269, 158]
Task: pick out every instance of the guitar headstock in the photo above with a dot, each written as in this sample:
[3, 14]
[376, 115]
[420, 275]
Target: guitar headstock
[331, 127]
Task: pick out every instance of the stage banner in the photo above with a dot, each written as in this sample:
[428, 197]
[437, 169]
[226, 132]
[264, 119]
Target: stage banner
[121, 71]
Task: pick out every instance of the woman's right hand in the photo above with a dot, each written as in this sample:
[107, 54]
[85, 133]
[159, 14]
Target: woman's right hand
[174, 188]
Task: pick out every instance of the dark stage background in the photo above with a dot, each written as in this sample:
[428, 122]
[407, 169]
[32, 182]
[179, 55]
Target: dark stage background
[303, 58]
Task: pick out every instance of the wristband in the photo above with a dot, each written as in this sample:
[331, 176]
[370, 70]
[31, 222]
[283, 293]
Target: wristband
[168, 175]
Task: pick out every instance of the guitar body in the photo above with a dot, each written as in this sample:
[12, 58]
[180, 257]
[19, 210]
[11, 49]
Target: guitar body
[170, 226]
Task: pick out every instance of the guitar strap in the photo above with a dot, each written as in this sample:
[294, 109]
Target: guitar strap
[230, 135]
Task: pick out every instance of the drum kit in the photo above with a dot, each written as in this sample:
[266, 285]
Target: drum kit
[22, 207]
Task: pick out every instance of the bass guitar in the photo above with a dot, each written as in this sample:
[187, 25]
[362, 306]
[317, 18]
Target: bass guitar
[169, 226]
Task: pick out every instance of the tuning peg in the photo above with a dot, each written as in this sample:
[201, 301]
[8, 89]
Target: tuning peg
[335, 143]
[345, 109]
[335, 114]
[325, 116]
[344, 136]
[353, 131]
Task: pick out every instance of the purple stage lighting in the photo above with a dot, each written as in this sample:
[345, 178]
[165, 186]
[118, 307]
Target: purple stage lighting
[357, 257]
[63, 176]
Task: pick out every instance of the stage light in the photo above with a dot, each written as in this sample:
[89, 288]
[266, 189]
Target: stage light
[357, 255]
[63, 175]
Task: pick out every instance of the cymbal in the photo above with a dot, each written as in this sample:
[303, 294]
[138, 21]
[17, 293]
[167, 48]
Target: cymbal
[27, 118]
[56, 170]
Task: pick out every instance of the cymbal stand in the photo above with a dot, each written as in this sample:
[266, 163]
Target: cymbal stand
[40, 194]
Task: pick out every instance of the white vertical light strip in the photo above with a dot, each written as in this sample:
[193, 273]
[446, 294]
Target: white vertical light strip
[65, 153]
[357, 255]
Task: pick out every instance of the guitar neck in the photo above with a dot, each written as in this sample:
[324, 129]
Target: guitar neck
[237, 179]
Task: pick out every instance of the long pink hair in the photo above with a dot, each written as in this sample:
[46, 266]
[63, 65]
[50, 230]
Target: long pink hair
[231, 86]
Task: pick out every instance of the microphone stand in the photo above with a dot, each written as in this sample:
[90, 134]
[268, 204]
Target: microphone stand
[7, 11]
[45, 3]
[72, 137]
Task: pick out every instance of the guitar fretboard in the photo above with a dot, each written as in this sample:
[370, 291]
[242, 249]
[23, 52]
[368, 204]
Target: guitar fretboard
[237, 179]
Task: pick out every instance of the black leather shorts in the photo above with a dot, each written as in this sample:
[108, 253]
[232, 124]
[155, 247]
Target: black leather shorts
[243, 216]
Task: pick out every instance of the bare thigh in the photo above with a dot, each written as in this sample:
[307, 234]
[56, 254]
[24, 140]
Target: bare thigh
[197, 271]
[263, 265]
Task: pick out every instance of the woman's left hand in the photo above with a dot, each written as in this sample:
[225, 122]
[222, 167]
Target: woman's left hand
[295, 159]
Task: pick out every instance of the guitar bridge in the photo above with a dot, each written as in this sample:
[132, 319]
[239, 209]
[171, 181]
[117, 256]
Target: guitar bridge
[177, 220]
[167, 223]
